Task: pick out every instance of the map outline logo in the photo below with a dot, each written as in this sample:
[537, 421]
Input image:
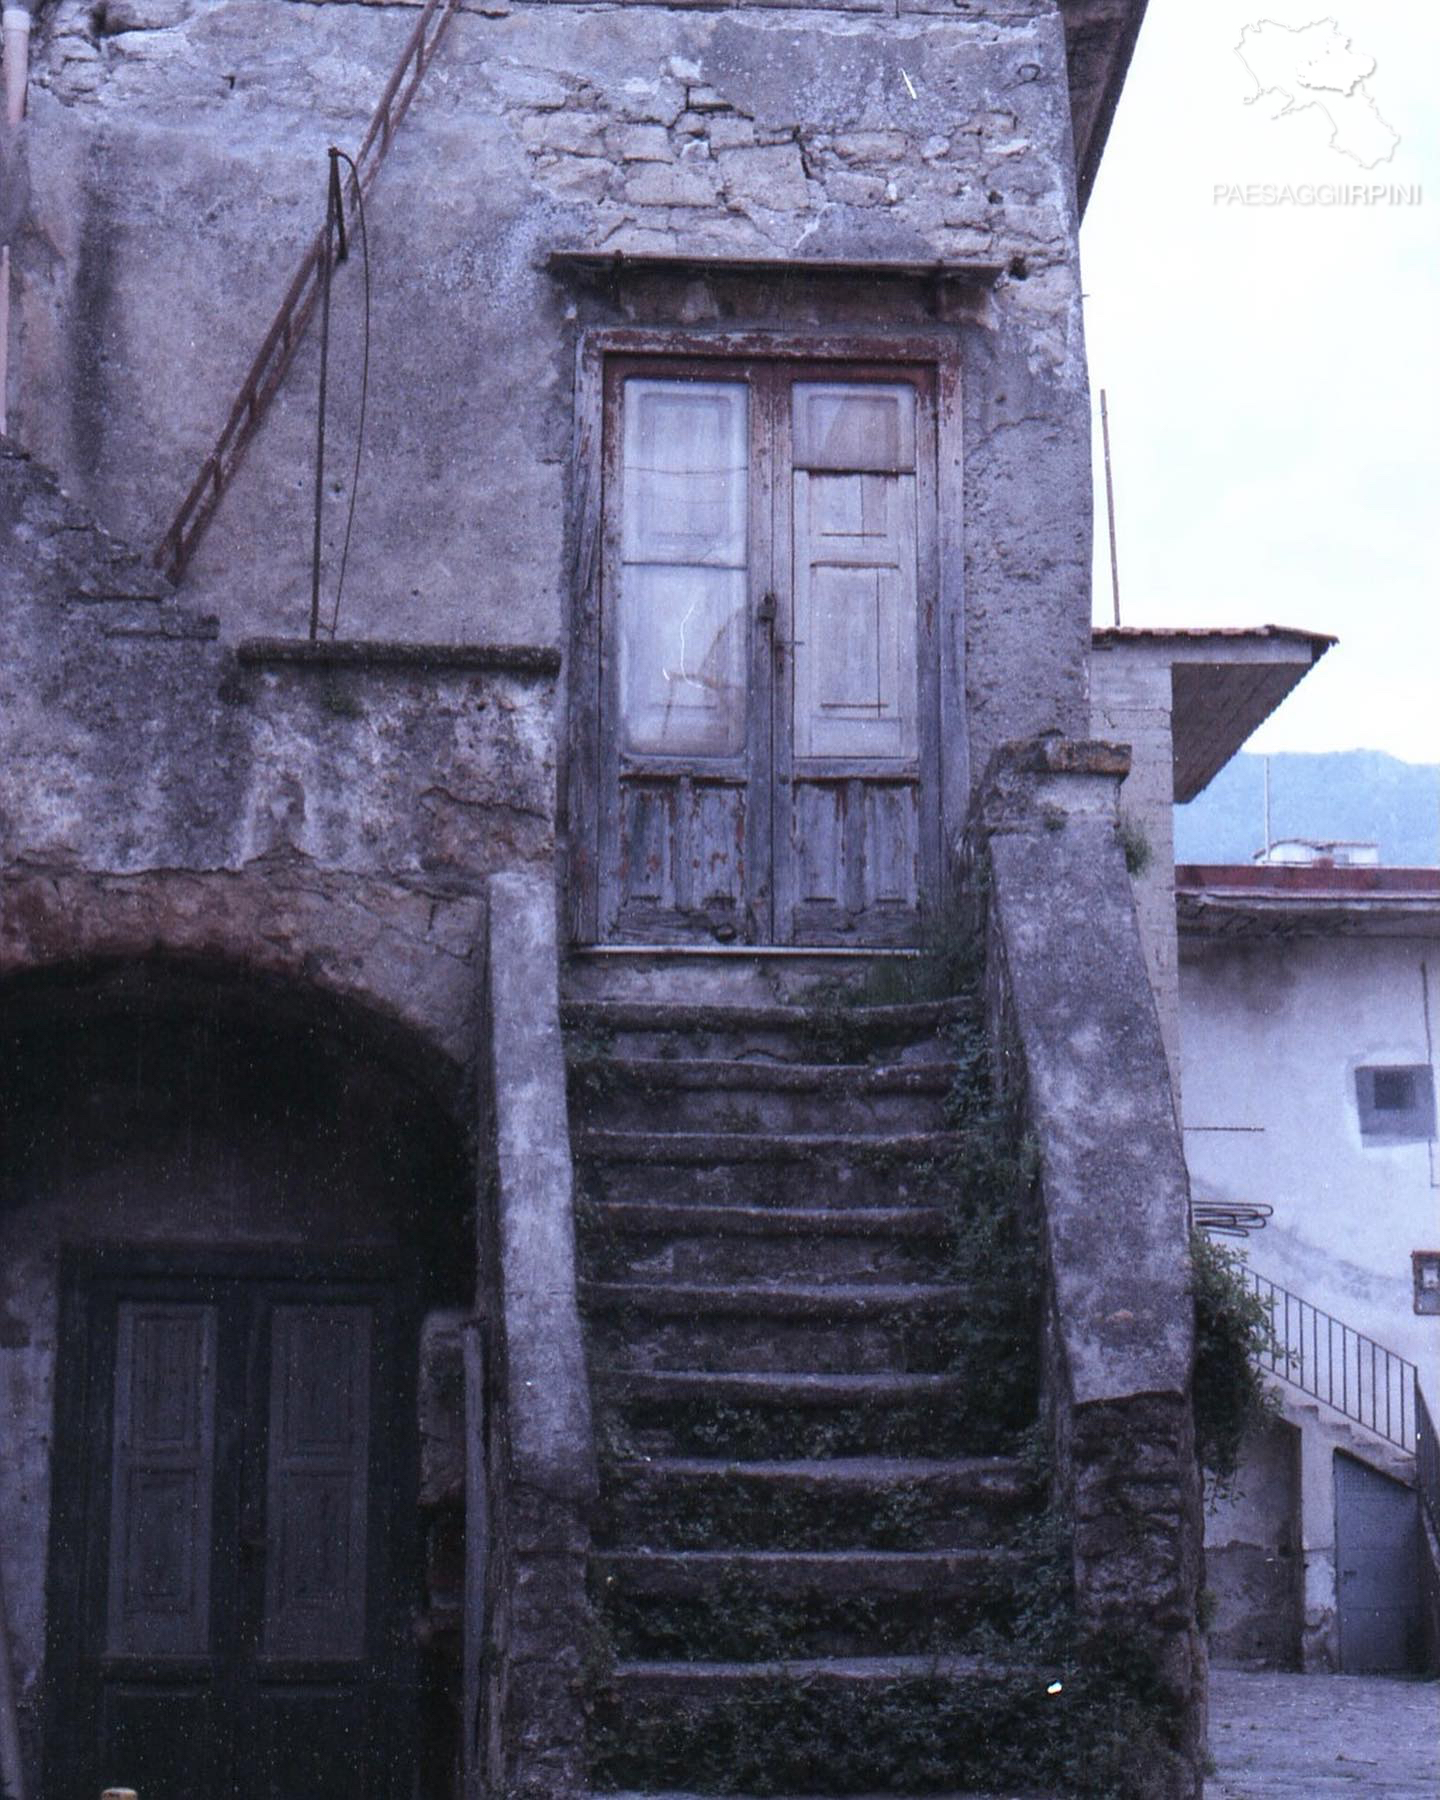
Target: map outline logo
[1317, 66]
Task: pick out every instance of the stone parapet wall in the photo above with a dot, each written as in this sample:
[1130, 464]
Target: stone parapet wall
[1080, 1055]
[541, 1463]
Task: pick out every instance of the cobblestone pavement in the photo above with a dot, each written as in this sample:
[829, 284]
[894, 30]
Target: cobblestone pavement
[1308, 1737]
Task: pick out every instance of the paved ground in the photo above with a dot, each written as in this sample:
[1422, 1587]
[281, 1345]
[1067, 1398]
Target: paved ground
[1314, 1737]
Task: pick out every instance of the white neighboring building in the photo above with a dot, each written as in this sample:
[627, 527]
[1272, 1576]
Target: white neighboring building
[1310, 1012]
[1300, 1006]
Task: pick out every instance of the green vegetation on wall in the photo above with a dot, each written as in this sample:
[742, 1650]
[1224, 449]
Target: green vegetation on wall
[1232, 1330]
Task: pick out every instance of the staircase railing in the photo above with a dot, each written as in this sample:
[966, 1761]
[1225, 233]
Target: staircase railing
[1342, 1367]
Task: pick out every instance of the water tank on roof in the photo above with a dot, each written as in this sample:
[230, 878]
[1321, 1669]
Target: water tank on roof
[1320, 853]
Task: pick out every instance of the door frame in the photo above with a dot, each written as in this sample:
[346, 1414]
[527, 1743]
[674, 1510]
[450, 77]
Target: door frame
[583, 758]
[79, 1502]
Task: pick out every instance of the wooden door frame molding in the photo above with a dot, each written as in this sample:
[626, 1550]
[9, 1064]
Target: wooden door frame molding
[938, 349]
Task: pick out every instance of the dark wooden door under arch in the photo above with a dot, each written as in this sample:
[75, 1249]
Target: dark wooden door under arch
[232, 1560]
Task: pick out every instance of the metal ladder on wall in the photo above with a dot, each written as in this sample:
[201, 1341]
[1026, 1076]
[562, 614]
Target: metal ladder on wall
[287, 328]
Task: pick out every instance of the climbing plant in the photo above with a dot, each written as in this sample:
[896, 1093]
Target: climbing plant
[1232, 1331]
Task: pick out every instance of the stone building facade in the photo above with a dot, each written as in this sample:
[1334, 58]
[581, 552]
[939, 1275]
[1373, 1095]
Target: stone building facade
[759, 323]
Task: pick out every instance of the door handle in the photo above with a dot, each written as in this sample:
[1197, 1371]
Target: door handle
[765, 611]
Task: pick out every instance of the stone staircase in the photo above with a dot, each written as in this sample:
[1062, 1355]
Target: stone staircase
[806, 1568]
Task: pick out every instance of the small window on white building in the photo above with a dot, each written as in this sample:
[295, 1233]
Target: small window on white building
[1426, 1264]
[1397, 1104]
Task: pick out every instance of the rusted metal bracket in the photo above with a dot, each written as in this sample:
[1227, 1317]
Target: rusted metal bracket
[288, 327]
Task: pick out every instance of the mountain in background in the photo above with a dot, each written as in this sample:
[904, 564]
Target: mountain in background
[1357, 794]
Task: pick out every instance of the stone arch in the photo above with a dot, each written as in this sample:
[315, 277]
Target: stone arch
[399, 951]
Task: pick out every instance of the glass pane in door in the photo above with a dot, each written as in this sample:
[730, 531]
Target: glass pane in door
[684, 567]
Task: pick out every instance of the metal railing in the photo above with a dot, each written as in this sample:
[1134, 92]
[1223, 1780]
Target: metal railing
[1229, 1218]
[1427, 1460]
[1339, 1366]
[288, 326]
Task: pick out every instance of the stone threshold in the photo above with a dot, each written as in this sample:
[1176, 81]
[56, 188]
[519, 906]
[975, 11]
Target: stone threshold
[741, 952]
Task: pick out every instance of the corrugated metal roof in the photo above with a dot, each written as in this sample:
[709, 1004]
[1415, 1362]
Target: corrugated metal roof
[1225, 681]
[1260, 633]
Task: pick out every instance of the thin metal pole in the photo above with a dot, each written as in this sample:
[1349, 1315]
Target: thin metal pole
[1110, 501]
[1268, 839]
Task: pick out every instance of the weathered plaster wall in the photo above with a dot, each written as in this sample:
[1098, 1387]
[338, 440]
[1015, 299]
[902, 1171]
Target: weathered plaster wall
[1073, 1020]
[177, 156]
[1273, 1033]
[330, 822]
[1254, 1566]
[1130, 702]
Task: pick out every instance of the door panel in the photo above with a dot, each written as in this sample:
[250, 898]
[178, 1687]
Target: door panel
[682, 831]
[317, 1487]
[1377, 1553]
[293, 1747]
[161, 1481]
[853, 862]
[229, 1546]
[855, 669]
[166, 1739]
[854, 855]
[681, 850]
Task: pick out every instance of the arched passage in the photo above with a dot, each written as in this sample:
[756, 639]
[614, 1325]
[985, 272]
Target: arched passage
[235, 1216]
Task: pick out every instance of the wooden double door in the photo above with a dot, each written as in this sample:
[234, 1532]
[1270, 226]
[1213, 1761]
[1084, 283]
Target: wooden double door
[231, 1532]
[767, 690]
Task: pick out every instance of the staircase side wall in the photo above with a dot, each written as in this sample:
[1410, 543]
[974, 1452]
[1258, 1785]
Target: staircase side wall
[542, 1451]
[1073, 1012]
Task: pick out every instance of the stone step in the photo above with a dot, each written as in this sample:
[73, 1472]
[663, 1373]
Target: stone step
[730, 1605]
[880, 1502]
[835, 1328]
[821, 1150]
[854, 1725]
[786, 1415]
[841, 1573]
[655, 1241]
[837, 1080]
[803, 1180]
[696, 1095]
[834, 1034]
[969, 1794]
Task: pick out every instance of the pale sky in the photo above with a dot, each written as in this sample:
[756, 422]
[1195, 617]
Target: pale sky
[1273, 370]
